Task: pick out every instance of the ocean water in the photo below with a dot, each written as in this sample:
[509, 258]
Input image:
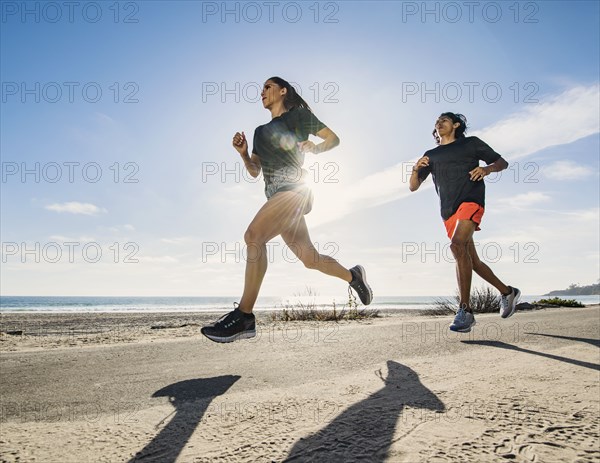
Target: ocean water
[62, 304]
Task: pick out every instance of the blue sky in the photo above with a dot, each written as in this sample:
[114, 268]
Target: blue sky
[158, 189]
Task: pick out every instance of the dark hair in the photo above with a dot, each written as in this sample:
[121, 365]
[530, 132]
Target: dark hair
[292, 99]
[460, 130]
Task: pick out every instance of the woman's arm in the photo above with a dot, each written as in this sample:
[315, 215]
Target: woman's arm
[252, 163]
[330, 141]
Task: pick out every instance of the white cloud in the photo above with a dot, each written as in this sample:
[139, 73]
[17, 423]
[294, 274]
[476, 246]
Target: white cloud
[67, 239]
[158, 260]
[373, 190]
[556, 120]
[177, 240]
[101, 117]
[566, 170]
[586, 215]
[74, 207]
[525, 199]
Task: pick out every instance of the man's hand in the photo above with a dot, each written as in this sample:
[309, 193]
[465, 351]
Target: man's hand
[415, 181]
[478, 173]
[422, 162]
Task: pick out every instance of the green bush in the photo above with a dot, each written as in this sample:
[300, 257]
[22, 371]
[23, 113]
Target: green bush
[483, 300]
[557, 301]
[301, 311]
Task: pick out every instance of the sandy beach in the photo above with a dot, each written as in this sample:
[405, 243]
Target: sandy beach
[400, 388]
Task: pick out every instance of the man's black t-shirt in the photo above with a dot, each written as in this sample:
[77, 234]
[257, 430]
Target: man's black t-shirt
[450, 165]
[276, 143]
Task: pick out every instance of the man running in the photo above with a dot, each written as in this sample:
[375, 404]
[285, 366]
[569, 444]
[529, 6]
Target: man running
[458, 179]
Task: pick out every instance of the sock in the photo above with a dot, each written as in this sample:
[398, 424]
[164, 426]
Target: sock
[353, 277]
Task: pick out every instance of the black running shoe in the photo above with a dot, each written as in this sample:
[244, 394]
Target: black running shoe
[360, 285]
[231, 327]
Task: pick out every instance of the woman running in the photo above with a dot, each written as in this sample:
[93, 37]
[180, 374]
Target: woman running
[278, 150]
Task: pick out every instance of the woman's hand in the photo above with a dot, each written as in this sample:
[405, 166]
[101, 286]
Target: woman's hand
[307, 147]
[252, 163]
[240, 143]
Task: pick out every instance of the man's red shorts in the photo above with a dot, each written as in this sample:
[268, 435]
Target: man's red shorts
[466, 211]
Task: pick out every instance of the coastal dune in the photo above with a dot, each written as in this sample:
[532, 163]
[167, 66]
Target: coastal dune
[399, 388]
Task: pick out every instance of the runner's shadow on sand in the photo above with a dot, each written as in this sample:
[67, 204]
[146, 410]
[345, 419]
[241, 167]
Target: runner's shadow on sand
[593, 342]
[365, 431]
[503, 345]
[190, 398]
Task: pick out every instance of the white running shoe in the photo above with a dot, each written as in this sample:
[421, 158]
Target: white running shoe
[508, 302]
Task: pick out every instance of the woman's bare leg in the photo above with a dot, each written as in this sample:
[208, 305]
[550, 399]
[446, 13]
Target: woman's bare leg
[281, 212]
[298, 240]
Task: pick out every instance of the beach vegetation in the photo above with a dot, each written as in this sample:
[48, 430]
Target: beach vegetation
[559, 302]
[483, 300]
[306, 309]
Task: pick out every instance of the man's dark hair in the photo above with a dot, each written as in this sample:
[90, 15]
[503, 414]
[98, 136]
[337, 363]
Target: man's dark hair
[454, 117]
